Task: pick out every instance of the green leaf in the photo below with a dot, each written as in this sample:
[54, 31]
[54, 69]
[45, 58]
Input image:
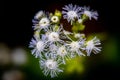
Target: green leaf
[56, 27]
[75, 29]
[84, 17]
[81, 27]
[58, 13]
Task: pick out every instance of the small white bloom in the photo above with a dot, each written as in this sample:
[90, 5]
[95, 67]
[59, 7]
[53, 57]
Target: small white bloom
[54, 19]
[44, 23]
[90, 14]
[53, 48]
[80, 20]
[39, 15]
[92, 46]
[63, 53]
[76, 46]
[50, 66]
[53, 36]
[71, 12]
[38, 46]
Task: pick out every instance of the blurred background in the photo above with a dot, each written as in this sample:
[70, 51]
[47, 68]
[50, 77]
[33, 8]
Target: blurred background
[17, 63]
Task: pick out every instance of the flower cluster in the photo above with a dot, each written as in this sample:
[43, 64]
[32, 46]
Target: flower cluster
[53, 45]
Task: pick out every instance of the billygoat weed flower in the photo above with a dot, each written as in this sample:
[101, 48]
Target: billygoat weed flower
[51, 67]
[92, 46]
[53, 48]
[62, 52]
[53, 36]
[71, 12]
[90, 14]
[53, 45]
[44, 22]
[75, 47]
[54, 19]
[38, 47]
[39, 15]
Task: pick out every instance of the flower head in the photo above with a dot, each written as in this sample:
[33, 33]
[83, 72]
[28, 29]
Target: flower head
[63, 53]
[91, 14]
[76, 47]
[54, 19]
[92, 46]
[71, 12]
[44, 22]
[38, 46]
[53, 36]
[50, 66]
[39, 15]
[53, 48]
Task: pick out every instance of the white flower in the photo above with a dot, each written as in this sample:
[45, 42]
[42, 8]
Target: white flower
[90, 14]
[71, 12]
[53, 36]
[50, 66]
[92, 46]
[39, 15]
[80, 20]
[53, 48]
[75, 47]
[63, 53]
[44, 22]
[38, 46]
[54, 19]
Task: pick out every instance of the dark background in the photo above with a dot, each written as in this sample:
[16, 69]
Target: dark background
[16, 28]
